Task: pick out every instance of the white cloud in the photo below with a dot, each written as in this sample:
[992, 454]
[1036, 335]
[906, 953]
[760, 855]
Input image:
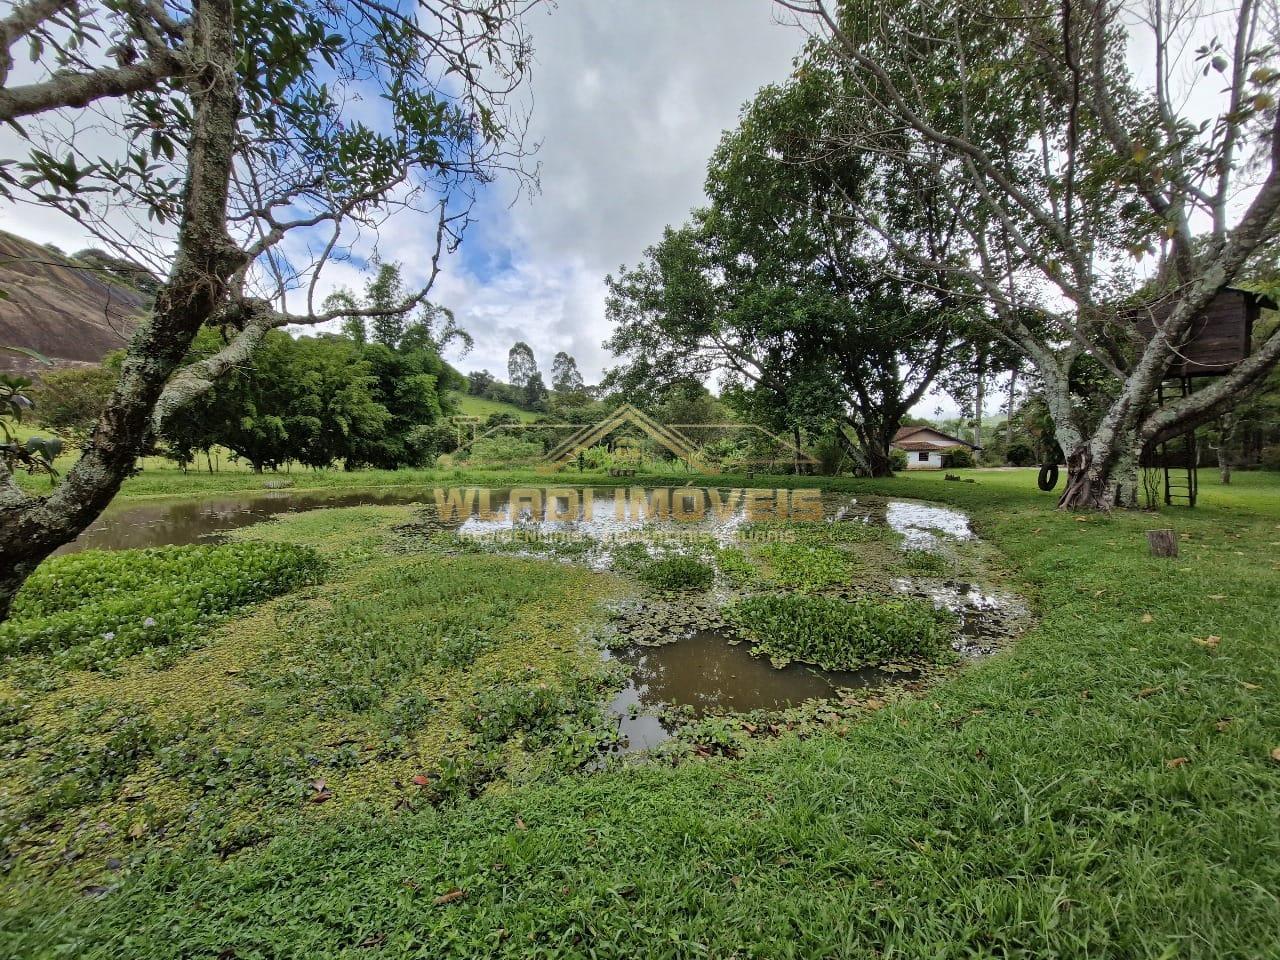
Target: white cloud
[630, 101]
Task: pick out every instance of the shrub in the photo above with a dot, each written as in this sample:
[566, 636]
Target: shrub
[500, 451]
[958, 458]
[677, 573]
[94, 608]
[898, 460]
[840, 634]
[1270, 458]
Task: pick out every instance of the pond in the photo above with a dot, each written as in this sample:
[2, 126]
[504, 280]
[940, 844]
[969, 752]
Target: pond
[677, 652]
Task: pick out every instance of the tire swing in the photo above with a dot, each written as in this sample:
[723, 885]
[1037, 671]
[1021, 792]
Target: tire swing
[1048, 478]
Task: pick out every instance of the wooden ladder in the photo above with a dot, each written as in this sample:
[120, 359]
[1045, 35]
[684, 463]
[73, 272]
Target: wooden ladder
[1184, 485]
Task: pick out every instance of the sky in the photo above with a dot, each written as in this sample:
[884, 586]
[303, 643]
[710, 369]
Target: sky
[630, 97]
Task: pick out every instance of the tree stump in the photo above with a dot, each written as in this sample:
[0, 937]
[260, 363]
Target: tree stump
[1163, 543]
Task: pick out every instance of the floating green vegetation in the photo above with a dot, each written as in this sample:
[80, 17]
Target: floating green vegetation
[676, 572]
[736, 567]
[801, 566]
[838, 634]
[660, 619]
[95, 608]
[924, 562]
[414, 677]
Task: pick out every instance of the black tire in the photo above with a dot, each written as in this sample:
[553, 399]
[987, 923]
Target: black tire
[1048, 478]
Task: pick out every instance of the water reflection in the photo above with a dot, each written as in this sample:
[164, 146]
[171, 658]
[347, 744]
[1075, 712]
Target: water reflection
[164, 522]
[710, 674]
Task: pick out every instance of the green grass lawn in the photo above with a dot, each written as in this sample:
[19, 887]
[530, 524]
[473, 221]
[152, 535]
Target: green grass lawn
[1106, 788]
[470, 406]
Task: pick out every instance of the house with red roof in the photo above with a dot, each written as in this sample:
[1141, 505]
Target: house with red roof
[925, 447]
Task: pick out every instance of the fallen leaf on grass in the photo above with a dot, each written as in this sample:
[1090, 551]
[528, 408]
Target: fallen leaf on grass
[1211, 641]
[1217, 596]
[1147, 618]
[321, 792]
[1176, 762]
[520, 824]
[1223, 725]
[1149, 692]
[1275, 754]
[450, 897]
[421, 779]
[1249, 686]
[137, 830]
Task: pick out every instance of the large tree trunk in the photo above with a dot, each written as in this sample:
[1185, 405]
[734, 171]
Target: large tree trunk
[31, 527]
[1102, 473]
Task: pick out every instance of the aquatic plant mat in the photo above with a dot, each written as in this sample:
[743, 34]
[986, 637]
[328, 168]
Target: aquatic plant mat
[1105, 787]
[396, 681]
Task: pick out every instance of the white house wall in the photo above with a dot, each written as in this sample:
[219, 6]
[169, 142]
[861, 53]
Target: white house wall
[915, 463]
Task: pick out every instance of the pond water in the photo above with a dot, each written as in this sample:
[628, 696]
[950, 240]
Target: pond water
[164, 522]
[708, 672]
[702, 670]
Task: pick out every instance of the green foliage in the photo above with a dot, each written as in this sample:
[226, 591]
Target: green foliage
[1020, 454]
[676, 572]
[565, 376]
[521, 365]
[504, 450]
[955, 799]
[802, 566]
[840, 634]
[958, 458]
[924, 562]
[898, 460]
[94, 608]
[322, 400]
[736, 567]
[69, 402]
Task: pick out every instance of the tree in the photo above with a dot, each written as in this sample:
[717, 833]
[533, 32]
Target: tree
[432, 328]
[521, 366]
[311, 400]
[240, 127]
[565, 377]
[535, 391]
[69, 402]
[1063, 172]
[478, 383]
[779, 287]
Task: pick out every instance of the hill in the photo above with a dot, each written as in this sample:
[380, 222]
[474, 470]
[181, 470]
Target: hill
[67, 310]
[484, 407]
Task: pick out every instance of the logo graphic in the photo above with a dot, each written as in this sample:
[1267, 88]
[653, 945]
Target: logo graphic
[677, 439]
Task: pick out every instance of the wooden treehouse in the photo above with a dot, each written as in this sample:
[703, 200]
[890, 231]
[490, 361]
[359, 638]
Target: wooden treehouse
[1217, 340]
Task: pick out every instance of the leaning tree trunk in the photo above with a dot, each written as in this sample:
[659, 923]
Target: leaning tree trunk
[31, 527]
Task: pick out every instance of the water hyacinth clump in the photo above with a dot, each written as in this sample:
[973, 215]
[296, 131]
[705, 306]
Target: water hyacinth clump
[676, 572]
[838, 634]
[93, 608]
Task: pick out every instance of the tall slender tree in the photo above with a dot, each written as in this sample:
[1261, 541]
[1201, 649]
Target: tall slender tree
[521, 366]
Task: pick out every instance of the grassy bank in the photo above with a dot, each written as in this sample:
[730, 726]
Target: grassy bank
[1104, 789]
